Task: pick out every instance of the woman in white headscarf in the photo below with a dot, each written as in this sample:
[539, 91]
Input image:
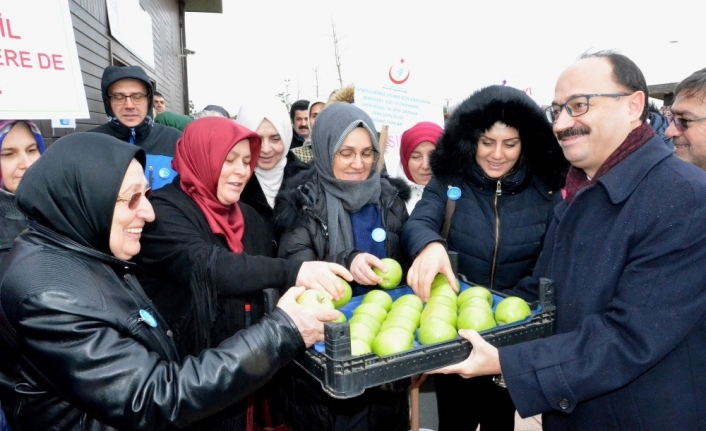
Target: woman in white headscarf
[270, 120]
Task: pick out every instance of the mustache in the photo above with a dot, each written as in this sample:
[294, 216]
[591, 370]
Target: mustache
[574, 131]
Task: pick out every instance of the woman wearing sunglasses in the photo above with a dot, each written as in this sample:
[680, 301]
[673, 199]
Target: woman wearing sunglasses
[344, 212]
[82, 345]
[500, 161]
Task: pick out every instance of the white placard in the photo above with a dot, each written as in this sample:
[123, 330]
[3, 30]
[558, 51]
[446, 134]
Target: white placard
[389, 98]
[40, 75]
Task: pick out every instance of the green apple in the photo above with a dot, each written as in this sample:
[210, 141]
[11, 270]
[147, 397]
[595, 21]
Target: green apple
[406, 311]
[444, 300]
[441, 311]
[476, 318]
[367, 319]
[440, 279]
[359, 347]
[511, 309]
[314, 299]
[392, 340]
[475, 291]
[434, 331]
[372, 308]
[380, 297]
[409, 299]
[400, 321]
[341, 318]
[392, 277]
[443, 290]
[361, 331]
[475, 300]
[347, 294]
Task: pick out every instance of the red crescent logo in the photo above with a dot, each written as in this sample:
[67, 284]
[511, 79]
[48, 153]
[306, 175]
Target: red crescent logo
[395, 81]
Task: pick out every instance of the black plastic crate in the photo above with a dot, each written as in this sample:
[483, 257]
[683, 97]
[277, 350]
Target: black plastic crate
[344, 376]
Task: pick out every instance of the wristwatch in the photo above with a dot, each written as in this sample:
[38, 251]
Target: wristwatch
[499, 380]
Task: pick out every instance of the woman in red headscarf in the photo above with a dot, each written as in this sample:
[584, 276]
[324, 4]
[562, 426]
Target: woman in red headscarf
[207, 256]
[417, 144]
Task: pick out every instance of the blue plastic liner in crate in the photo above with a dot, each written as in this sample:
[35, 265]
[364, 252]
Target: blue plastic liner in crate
[348, 309]
[344, 376]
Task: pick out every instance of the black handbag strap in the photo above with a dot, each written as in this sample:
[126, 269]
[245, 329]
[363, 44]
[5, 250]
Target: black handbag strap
[450, 208]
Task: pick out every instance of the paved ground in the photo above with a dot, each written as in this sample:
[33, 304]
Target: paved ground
[428, 417]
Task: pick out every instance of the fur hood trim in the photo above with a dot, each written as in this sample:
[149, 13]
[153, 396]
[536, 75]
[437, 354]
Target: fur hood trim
[456, 149]
[345, 94]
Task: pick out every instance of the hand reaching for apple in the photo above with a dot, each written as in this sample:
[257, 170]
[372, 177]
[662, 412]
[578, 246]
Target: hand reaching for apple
[322, 276]
[309, 320]
[432, 260]
[483, 360]
[362, 271]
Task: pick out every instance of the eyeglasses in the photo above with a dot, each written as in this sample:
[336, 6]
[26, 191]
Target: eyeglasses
[134, 200]
[681, 123]
[348, 156]
[577, 105]
[120, 97]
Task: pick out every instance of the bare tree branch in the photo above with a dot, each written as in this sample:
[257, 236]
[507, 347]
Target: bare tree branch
[337, 53]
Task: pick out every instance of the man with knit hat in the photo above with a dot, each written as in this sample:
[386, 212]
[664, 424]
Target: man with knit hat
[127, 97]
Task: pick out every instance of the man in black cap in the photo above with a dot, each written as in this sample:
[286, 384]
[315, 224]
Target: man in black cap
[128, 97]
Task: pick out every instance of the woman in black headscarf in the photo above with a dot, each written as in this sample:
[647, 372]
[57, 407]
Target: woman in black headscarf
[83, 348]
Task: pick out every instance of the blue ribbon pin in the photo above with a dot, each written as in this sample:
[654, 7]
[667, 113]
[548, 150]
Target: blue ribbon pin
[148, 318]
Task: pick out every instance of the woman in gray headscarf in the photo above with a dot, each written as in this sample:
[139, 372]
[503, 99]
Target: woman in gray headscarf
[344, 212]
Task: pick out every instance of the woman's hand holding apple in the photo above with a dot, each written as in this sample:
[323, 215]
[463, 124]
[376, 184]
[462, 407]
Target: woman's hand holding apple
[432, 260]
[309, 320]
[483, 360]
[361, 269]
[322, 276]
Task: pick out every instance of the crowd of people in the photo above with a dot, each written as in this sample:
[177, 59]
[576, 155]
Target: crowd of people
[137, 281]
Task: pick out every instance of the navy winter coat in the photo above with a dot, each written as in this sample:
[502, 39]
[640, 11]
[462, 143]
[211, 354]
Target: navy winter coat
[157, 140]
[498, 224]
[522, 218]
[626, 257]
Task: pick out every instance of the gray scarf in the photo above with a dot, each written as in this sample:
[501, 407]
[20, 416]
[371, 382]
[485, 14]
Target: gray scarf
[333, 125]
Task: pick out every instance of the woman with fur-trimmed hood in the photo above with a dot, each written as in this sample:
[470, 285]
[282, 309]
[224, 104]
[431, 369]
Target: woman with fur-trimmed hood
[499, 150]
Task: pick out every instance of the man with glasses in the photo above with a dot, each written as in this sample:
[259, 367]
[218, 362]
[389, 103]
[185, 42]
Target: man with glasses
[128, 99]
[625, 252]
[687, 119]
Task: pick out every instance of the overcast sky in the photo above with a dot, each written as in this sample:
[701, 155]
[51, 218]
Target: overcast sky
[451, 47]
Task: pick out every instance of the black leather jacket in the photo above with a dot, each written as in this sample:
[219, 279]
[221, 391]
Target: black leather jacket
[77, 355]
